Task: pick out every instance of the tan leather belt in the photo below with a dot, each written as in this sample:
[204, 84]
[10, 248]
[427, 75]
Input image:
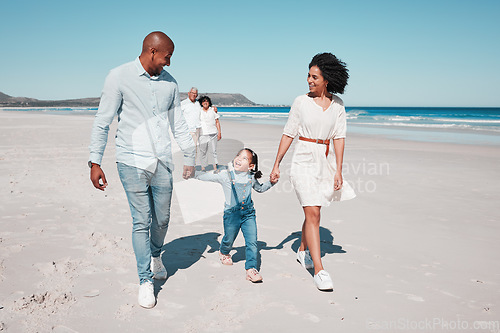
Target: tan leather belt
[323, 142]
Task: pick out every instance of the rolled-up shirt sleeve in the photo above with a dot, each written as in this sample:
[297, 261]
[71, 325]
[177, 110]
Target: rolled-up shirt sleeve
[292, 125]
[109, 105]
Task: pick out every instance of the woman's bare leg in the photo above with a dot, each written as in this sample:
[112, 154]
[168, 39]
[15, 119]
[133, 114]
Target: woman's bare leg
[310, 235]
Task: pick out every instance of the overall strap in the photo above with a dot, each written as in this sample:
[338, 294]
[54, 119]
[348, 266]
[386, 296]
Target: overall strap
[231, 174]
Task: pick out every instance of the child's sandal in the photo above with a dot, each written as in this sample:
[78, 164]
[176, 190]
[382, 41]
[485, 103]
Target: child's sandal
[253, 275]
[225, 259]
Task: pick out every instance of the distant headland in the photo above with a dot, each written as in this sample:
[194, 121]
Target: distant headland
[218, 99]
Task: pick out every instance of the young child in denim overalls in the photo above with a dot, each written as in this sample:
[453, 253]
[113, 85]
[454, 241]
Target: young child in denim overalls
[239, 213]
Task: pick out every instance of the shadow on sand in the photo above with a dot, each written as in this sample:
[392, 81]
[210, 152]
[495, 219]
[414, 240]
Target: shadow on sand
[327, 246]
[183, 252]
[326, 243]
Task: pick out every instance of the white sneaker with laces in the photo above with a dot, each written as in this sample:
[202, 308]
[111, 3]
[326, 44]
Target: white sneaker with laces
[304, 258]
[147, 295]
[159, 271]
[323, 280]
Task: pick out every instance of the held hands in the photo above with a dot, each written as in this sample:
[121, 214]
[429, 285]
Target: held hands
[275, 175]
[96, 174]
[337, 181]
[188, 172]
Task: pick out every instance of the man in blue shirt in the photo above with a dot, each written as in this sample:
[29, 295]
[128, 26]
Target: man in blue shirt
[145, 98]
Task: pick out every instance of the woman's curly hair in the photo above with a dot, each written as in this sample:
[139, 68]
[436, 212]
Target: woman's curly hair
[333, 70]
[205, 98]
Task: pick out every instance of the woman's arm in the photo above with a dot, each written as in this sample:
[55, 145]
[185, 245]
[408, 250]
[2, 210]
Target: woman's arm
[285, 143]
[219, 133]
[338, 146]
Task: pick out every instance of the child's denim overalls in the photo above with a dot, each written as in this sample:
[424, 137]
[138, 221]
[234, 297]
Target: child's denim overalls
[241, 216]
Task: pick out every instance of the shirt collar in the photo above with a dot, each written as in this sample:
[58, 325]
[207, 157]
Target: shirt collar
[142, 71]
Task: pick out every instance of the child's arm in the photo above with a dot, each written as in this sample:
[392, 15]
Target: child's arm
[257, 186]
[209, 176]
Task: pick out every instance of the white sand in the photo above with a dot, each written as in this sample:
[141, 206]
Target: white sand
[418, 247]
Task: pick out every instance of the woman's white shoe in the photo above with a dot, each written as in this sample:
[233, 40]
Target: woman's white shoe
[323, 280]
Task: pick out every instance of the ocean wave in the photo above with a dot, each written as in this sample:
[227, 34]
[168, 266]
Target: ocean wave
[425, 120]
[356, 112]
[412, 125]
[253, 114]
[457, 120]
[432, 126]
[408, 118]
[398, 118]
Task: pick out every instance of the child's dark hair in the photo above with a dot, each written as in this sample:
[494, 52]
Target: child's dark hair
[255, 161]
[203, 99]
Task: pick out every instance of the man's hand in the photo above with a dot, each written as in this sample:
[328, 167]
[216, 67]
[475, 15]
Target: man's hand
[96, 174]
[188, 172]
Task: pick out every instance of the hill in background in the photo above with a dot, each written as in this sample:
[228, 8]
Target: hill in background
[218, 99]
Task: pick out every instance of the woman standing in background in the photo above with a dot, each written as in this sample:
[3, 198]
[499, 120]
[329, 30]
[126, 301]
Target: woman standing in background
[210, 132]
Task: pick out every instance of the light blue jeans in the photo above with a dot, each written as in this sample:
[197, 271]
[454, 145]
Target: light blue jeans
[149, 195]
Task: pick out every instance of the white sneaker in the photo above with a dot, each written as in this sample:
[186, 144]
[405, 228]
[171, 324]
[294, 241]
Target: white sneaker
[147, 295]
[304, 258]
[159, 271]
[323, 280]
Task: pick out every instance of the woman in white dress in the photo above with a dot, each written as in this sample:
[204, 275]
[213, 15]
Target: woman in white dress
[210, 132]
[316, 173]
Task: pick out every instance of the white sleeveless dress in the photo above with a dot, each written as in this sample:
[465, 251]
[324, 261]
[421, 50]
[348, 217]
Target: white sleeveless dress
[312, 173]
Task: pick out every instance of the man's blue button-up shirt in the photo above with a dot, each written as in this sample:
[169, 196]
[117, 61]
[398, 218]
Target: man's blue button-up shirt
[146, 106]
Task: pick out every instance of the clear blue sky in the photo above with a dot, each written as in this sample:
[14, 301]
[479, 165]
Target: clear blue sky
[399, 53]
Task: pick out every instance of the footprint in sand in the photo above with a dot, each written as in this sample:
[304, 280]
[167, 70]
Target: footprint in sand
[63, 329]
[124, 312]
[280, 252]
[411, 297]
[313, 318]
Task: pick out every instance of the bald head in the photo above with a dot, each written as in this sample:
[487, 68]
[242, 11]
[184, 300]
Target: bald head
[156, 40]
[157, 49]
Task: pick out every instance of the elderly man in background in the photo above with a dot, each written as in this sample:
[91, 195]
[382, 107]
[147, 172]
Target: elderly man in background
[191, 109]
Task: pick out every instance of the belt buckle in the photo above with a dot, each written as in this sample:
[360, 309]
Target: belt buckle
[317, 140]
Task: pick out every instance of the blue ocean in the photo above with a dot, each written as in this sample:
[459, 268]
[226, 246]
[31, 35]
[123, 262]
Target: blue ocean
[431, 124]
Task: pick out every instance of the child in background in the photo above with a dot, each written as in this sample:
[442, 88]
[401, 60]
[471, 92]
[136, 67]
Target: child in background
[239, 213]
